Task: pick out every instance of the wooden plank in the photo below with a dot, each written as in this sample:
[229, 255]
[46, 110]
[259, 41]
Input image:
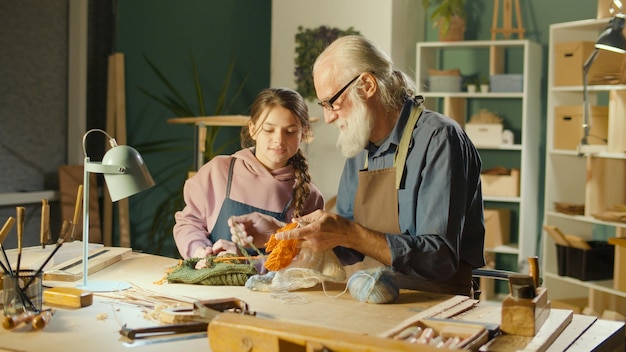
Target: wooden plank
[554, 325]
[72, 270]
[579, 324]
[595, 338]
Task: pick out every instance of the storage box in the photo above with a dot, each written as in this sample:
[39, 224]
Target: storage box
[570, 57]
[506, 83]
[501, 185]
[588, 264]
[445, 83]
[568, 129]
[484, 134]
[497, 227]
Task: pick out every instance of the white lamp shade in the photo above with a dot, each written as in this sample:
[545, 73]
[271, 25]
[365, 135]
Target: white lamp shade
[135, 178]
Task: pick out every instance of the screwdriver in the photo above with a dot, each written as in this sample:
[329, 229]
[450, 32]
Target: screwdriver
[42, 319]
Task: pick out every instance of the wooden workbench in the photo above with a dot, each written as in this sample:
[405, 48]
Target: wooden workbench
[96, 328]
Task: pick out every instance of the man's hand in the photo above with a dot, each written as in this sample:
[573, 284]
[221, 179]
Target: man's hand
[254, 228]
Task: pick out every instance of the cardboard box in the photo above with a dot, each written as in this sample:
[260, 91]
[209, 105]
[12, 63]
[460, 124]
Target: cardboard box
[568, 129]
[484, 134]
[604, 9]
[501, 185]
[570, 57]
[497, 227]
[506, 83]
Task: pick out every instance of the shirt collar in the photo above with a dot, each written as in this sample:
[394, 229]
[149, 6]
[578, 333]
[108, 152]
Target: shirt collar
[393, 140]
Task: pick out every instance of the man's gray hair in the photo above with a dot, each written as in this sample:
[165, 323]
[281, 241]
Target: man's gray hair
[354, 54]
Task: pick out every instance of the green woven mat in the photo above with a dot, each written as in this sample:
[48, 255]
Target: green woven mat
[215, 274]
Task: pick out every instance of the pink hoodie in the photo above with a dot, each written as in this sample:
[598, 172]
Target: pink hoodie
[252, 184]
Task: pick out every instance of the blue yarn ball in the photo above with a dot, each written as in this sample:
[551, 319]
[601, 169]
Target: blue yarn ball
[376, 285]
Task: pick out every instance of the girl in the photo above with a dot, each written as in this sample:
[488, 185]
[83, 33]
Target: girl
[269, 176]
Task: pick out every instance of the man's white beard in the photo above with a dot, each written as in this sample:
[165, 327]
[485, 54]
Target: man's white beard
[358, 126]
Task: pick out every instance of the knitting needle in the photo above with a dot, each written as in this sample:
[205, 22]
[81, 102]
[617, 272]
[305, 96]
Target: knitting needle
[77, 208]
[45, 223]
[42, 319]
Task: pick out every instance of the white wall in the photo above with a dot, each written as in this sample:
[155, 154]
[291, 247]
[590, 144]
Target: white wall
[395, 25]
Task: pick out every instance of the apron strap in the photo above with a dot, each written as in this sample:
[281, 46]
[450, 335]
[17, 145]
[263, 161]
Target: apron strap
[403, 148]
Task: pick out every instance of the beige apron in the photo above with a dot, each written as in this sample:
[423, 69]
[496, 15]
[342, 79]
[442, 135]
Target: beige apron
[376, 207]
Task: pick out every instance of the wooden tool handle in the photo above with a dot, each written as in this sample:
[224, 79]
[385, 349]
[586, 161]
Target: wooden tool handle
[42, 319]
[14, 320]
[533, 269]
[20, 225]
[6, 228]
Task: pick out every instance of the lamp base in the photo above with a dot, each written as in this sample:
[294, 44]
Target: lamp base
[105, 286]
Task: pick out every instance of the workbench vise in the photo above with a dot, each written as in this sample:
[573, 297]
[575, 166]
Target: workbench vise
[525, 309]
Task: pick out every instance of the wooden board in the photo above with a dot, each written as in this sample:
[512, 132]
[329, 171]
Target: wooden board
[70, 177]
[72, 270]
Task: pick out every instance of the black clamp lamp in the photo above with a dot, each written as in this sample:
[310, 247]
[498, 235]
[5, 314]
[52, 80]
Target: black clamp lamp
[611, 39]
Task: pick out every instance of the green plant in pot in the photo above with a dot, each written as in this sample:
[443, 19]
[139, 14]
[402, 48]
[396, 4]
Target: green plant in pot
[449, 16]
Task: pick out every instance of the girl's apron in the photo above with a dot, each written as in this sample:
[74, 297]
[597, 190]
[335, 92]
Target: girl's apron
[231, 207]
[376, 207]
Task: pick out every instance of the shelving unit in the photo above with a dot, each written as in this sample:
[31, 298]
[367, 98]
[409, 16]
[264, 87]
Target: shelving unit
[593, 176]
[521, 113]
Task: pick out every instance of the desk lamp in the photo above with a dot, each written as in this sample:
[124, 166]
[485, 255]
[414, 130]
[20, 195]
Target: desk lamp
[124, 174]
[612, 39]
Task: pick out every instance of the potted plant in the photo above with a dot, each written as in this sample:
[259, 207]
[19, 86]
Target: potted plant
[484, 84]
[449, 16]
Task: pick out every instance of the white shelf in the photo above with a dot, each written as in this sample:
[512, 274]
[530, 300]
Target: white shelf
[593, 177]
[432, 55]
[18, 198]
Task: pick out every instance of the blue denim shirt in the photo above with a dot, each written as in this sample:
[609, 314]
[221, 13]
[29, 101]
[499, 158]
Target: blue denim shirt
[440, 199]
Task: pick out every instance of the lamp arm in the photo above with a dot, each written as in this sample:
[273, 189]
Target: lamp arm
[99, 168]
[586, 121]
[85, 220]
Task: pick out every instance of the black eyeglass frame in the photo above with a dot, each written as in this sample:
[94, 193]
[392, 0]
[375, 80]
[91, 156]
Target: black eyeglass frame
[328, 104]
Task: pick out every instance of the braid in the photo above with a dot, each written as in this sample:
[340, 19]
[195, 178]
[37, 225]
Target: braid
[301, 189]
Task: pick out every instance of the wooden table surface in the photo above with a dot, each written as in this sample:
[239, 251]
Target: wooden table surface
[96, 328]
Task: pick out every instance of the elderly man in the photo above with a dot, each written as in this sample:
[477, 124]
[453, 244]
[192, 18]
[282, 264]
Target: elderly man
[410, 193]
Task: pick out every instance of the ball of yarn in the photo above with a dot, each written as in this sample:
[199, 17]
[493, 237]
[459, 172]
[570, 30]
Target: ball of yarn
[376, 285]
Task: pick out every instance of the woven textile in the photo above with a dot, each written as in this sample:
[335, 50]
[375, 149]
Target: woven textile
[222, 273]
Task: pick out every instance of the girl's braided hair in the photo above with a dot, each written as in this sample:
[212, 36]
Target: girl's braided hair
[292, 101]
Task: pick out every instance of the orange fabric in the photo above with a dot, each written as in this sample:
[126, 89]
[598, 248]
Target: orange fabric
[281, 251]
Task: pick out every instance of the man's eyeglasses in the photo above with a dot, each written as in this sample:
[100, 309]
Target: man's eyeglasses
[328, 104]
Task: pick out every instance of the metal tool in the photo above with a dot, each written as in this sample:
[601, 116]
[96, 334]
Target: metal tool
[203, 313]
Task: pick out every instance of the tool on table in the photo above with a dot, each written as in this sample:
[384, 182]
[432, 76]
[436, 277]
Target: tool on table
[69, 297]
[77, 208]
[44, 234]
[10, 322]
[526, 308]
[42, 319]
[203, 312]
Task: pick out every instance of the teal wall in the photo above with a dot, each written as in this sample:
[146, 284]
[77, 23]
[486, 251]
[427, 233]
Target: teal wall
[216, 33]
